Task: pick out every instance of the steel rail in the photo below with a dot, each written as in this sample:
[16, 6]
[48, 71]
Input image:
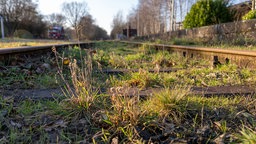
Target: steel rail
[4, 51]
[202, 49]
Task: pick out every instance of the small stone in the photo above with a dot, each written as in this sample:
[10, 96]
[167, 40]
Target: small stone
[114, 140]
[39, 71]
[46, 66]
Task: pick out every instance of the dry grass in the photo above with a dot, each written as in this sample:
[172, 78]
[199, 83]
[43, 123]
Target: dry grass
[81, 92]
[125, 108]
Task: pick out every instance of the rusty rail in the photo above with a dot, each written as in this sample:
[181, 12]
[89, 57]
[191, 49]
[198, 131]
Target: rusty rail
[243, 58]
[219, 56]
[14, 50]
[214, 50]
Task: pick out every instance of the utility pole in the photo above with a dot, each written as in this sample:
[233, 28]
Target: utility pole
[2, 26]
[138, 23]
[128, 28]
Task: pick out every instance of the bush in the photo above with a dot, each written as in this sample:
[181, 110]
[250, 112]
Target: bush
[207, 12]
[250, 15]
[23, 34]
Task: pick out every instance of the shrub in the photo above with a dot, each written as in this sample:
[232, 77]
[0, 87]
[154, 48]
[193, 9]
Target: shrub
[250, 15]
[207, 12]
[23, 34]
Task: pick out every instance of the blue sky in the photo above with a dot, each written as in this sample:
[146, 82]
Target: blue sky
[101, 10]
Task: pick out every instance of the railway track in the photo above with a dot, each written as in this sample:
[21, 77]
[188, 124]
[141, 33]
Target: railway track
[21, 106]
[8, 54]
[26, 49]
[244, 59]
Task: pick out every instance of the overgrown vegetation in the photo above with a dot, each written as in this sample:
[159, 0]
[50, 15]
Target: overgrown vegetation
[89, 114]
[209, 12]
[250, 15]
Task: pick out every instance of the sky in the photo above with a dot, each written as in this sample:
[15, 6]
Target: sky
[102, 11]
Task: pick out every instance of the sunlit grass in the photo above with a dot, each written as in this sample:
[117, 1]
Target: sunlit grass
[166, 102]
[12, 43]
[247, 136]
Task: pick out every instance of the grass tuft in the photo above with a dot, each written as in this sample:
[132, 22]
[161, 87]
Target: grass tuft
[247, 136]
[166, 102]
[81, 93]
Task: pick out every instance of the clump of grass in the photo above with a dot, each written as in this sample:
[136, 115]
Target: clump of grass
[247, 136]
[166, 102]
[81, 93]
[122, 116]
[117, 61]
[84, 95]
[146, 49]
[135, 58]
[125, 108]
[163, 59]
[102, 58]
[144, 79]
[168, 79]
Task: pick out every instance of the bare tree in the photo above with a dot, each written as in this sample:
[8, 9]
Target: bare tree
[118, 24]
[152, 16]
[16, 11]
[132, 19]
[74, 11]
[158, 16]
[56, 19]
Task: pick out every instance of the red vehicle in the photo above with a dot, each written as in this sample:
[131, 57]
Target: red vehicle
[56, 32]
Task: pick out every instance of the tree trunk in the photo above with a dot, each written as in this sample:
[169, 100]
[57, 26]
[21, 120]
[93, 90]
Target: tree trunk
[253, 4]
[172, 16]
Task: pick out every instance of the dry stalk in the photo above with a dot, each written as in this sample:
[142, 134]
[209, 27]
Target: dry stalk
[126, 108]
[81, 93]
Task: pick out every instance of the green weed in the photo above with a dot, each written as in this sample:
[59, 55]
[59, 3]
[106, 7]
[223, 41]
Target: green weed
[144, 79]
[166, 102]
[117, 61]
[247, 136]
